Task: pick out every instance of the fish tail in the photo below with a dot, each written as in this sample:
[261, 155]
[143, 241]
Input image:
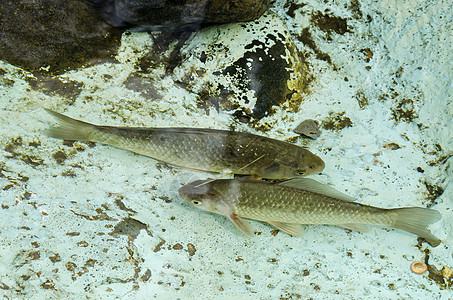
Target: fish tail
[70, 129]
[415, 220]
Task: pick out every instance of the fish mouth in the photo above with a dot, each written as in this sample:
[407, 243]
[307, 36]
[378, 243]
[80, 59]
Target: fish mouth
[182, 192]
[318, 166]
[193, 188]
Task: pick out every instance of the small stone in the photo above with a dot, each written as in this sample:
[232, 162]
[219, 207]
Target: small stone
[391, 146]
[145, 277]
[419, 267]
[177, 247]
[33, 255]
[55, 258]
[191, 249]
[272, 260]
[82, 244]
[90, 262]
[25, 277]
[158, 246]
[48, 284]
[309, 128]
[73, 233]
[274, 232]
[70, 266]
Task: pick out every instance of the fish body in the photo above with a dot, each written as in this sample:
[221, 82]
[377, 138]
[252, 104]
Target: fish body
[200, 149]
[289, 204]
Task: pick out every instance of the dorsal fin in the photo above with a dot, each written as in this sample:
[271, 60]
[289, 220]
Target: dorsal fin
[313, 186]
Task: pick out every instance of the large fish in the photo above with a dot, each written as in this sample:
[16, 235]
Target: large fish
[287, 205]
[199, 149]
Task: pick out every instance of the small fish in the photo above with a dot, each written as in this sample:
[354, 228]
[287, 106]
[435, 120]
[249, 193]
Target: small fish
[200, 149]
[288, 204]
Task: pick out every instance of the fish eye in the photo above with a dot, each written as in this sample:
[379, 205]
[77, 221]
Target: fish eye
[196, 202]
[300, 172]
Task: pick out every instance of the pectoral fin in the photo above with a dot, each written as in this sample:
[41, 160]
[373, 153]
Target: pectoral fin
[273, 167]
[242, 224]
[355, 227]
[289, 228]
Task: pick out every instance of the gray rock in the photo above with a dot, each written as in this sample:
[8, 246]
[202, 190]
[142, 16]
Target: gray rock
[308, 128]
[53, 34]
[159, 12]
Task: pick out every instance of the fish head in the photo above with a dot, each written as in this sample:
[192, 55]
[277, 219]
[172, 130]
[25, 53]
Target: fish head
[310, 164]
[293, 166]
[202, 194]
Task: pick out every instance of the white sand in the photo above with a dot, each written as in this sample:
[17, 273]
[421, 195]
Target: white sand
[108, 186]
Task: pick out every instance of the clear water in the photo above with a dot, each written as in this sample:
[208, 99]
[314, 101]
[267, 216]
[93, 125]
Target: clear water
[93, 221]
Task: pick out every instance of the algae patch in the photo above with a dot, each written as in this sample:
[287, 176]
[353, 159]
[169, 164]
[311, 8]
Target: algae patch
[12, 148]
[52, 86]
[131, 228]
[307, 39]
[404, 111]
[433, 193]
[292, 7]
[355, 7]
[443, 277]
[329, 23]
[336, 121]
[361, 99]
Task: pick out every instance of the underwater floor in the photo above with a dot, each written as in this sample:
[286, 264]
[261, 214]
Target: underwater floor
[87, 220]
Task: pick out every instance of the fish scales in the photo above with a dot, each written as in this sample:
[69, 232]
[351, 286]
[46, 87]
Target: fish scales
[198, 148]
[222, 150]
[288, 204]
[292, 205]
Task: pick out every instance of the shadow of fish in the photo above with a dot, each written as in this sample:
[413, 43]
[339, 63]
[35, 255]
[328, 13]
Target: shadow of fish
[287, 205]
[199, 149]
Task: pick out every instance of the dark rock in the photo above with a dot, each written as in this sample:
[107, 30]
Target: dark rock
[263, 70]
[170, 12]
[53, 34]
[107, 8]
[250, 68]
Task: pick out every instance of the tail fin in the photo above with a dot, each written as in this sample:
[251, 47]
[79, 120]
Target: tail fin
[415, 220]
[69, 129]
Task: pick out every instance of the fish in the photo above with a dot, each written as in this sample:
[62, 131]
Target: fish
[211, 150]
[289, 204]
